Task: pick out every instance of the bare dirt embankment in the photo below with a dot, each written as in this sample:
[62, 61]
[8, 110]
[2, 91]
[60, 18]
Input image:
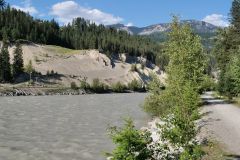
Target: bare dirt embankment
[74, 65]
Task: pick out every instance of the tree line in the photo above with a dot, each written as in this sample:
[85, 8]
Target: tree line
[80, 34]
[9, 72]
[227, 53]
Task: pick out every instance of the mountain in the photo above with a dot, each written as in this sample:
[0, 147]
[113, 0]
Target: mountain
[197, 26]
[158, 32]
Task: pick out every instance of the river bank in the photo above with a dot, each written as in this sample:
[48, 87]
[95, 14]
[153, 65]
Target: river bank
[39, 91]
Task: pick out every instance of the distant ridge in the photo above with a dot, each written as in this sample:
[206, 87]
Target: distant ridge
[197, 26]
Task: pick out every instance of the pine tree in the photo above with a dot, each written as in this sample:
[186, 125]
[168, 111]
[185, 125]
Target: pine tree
[5, 66]
[17, 67]
[2, 4]
[235, 14]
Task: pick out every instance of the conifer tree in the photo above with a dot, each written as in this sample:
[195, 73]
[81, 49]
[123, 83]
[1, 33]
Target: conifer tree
[5, 66]
[2, 4]
[17, 66]
[235, 14]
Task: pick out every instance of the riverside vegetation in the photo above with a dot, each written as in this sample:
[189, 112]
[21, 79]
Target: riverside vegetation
[227, 53]
[177, 105]
[19, 28]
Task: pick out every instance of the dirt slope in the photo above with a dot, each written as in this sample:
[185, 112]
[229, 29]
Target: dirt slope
[74, 65]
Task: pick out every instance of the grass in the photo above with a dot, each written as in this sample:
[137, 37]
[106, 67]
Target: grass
[214, 151]
[236, 101]
[61, 50]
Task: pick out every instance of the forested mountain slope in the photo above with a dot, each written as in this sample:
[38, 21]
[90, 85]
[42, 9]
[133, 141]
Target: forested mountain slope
[80, 34]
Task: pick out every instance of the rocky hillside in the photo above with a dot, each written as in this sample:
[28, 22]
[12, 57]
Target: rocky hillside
[158, 32]
[197, 26]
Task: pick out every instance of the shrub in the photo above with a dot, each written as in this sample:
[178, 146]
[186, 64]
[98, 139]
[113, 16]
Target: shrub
[131, 144]
[98, 86]
[135, 85]
[118, 87]
[84, 85]
[207, 84]
[155, 86]
[156, 104]
[52, 72]
[74, 86]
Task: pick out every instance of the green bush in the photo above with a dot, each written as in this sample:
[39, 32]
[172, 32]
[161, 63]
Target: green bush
[118, 87]
[98, 86]
[158, 105]
[84, 85]
[131, 144]
[193, 152]
[135, 85]
[74, 86]
[207, 84]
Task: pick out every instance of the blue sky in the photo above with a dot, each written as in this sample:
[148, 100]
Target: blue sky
[129, 12]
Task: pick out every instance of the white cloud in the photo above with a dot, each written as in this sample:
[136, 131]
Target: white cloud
[68, 10]
[217, 19]
[129, 24]
[27, 7]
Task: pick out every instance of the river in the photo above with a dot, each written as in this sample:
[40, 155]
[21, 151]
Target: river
[64, 127]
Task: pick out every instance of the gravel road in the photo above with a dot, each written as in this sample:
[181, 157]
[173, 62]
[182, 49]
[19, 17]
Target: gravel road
[222, 122]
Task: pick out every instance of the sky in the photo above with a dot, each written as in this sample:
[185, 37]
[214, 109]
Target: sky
[129, 12]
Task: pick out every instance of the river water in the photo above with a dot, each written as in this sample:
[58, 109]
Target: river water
[63, 127]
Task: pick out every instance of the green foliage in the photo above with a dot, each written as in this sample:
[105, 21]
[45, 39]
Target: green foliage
[229, 80]
[162, 60]
[5, 66]
[155, 86]
[235, 14]
[29, 69]
[131, 144]
[84, 85]
[155, 104]
[98, 86]
[187, 60]
[17, 66]
[135, 85]
[118, 87]
[178, 103]
[227, 51]
[185, 112]
[74, 86]
[194, 152]
[80, 34]
[2, 4]
[207, 84]
[180, 100]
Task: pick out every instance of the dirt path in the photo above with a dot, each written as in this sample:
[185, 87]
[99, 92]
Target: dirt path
[222, 121]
